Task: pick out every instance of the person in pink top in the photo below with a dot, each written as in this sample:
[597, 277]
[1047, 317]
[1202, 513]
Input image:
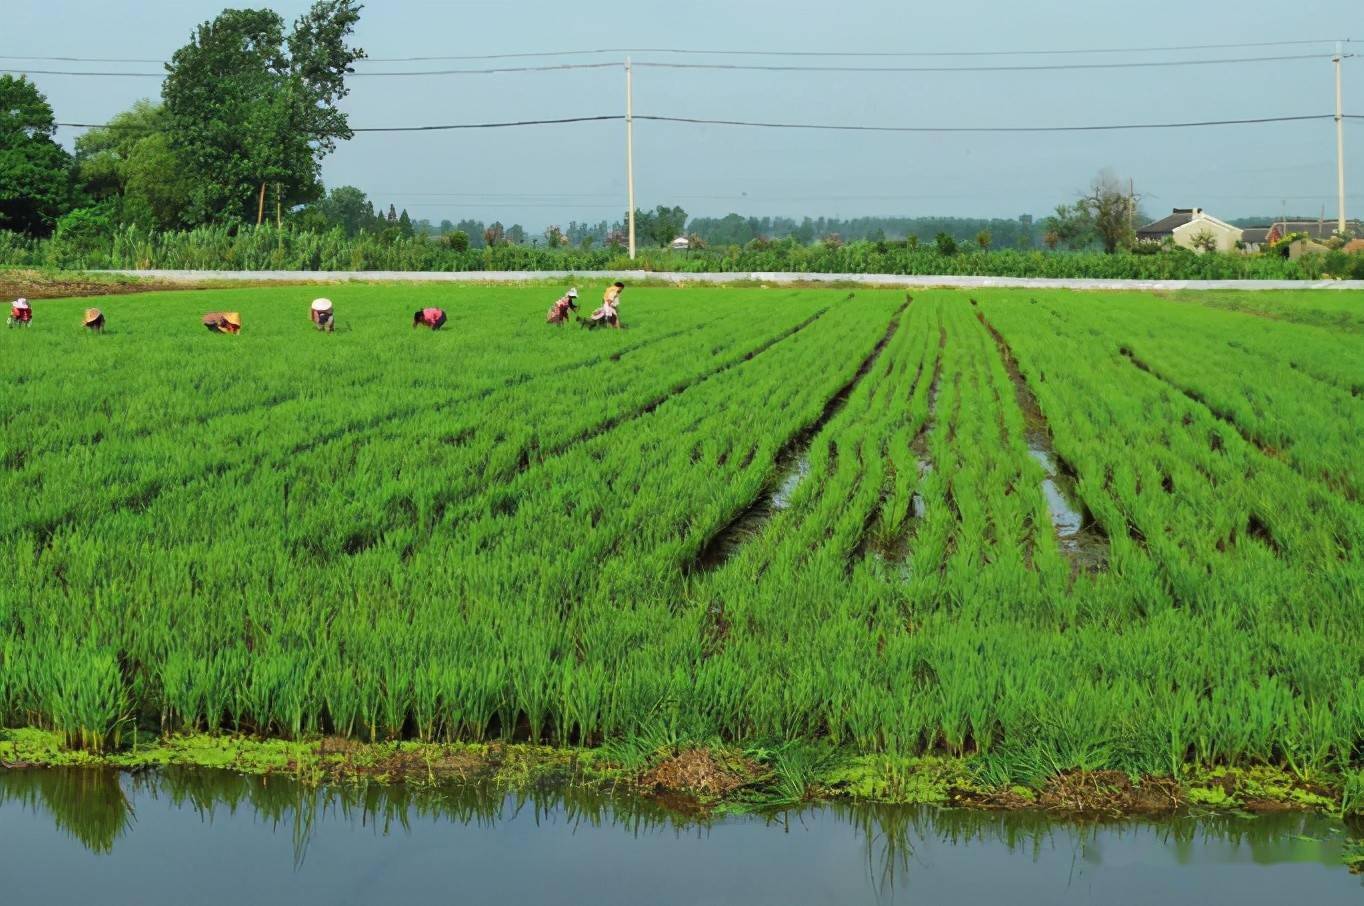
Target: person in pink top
[433, 318]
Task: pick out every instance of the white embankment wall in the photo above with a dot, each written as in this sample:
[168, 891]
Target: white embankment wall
[767, 277]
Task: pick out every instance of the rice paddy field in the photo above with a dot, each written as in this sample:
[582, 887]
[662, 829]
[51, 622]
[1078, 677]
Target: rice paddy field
[1046, 531]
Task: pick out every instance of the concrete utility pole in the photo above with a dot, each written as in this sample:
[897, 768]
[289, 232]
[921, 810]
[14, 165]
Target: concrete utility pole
[630, 153]
[1340, 144]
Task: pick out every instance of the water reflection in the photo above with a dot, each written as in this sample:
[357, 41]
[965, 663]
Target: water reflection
[373, 832]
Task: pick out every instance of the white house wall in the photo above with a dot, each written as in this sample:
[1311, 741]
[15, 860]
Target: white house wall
[1226, 235]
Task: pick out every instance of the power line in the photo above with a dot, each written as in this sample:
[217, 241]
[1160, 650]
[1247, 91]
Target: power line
[894, 54]
[432, 72]
[827, 127]
[1048, 67]
[505, 125]
[977, 129]
[434, 128]
[747, 67]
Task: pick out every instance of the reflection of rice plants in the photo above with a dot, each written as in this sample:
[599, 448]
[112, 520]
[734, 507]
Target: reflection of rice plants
[88, 805]
[494, 531]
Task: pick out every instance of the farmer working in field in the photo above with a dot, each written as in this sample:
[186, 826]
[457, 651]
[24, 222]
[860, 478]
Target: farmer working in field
[93, 320]
[322, 316]
[607, 314]
[20, 313]
[433, 318]
[223, 321]
[558, 312]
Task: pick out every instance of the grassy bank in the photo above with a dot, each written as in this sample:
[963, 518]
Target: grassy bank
[702, 779]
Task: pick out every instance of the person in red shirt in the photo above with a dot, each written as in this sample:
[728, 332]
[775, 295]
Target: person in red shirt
[558, 312]
[433, 318]
[20, 313]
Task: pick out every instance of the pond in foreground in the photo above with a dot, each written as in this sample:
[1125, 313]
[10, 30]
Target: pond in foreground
[208, 838]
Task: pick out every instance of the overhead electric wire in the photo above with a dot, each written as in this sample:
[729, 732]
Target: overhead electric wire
[430, 72]
[881, 54]
[432, 128]
[750, 67]
[825, 127]
[1044, 67]
[1108, 127]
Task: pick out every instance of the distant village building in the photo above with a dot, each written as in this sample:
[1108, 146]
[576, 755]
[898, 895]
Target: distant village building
[1318, 230]
[680, 244]
[1253, 239]
[1186, 226]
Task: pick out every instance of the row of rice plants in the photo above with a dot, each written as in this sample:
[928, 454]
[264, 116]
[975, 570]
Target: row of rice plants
[1224, 360]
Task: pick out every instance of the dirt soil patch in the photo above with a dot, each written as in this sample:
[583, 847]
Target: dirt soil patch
[31, 284]
[1091, 793]
[699, 773]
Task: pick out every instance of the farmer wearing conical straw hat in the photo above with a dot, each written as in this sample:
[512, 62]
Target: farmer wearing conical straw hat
[223, 321]
[93, 320]
[323, 317]
[20, 313]
[558, 312]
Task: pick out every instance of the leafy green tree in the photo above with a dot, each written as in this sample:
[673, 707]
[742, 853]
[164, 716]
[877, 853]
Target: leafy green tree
[475, 230]
[516, 234]
[947, 246]
[250, 109]
[405, 227]
[983, 239]
[36, 185]
[132, 166]
[667, 224]
[1071, 226]
[457, 240]
[348, 208]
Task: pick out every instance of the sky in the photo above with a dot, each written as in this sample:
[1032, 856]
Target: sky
[553, 174]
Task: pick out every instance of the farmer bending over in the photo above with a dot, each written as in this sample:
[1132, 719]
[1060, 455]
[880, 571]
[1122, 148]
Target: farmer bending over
[20, 313]
[322, 316]
[558, 312]
[433, 318]
[607, 315]
[223, 321]
[94, 320]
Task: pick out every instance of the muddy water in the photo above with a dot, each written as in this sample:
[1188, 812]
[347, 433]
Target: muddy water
[792, 468]
[215, 838]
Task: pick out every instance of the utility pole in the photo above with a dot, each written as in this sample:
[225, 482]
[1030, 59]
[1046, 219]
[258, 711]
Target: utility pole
[1131, 205]
[1340, 144]
[630, 154]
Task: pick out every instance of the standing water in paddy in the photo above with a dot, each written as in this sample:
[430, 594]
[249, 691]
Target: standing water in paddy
[88, 836]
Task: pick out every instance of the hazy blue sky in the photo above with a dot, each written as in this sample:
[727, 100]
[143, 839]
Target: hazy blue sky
[553, 174]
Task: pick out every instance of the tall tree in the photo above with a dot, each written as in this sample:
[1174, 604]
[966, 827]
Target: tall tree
[348, 208]
[35, 172]
[668, 224]
[252, 112]
[1111, 207]
[132, 166]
